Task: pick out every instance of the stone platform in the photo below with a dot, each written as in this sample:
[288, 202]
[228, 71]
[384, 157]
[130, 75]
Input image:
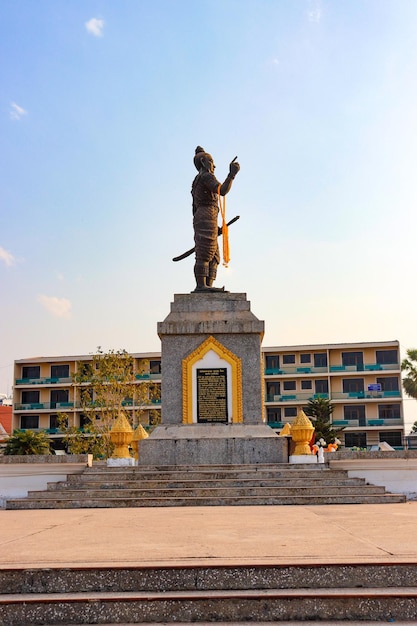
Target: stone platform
[213, 444]
[212, 386]
[324, 564]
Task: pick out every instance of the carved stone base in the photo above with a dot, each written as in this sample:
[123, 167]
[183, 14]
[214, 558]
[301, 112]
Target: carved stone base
[209, 444]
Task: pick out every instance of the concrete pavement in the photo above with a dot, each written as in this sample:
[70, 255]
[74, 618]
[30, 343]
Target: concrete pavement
[381, 533]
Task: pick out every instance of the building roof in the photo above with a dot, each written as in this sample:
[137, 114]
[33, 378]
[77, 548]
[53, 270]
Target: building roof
[6, 418]
[157, 355]
[333, 346]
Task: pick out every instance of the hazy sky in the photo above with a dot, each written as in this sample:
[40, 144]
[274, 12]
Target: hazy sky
[102, 103]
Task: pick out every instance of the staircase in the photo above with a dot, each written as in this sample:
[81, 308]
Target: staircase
[214, 485]
[120, 595]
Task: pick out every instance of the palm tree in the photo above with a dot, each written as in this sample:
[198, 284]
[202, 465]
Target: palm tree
[409, 366]
[25, 442]
[320, 411]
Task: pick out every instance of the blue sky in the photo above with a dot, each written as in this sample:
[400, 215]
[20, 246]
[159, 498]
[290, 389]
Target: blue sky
[102, 104]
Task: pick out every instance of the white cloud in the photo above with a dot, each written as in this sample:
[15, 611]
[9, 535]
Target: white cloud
[58, 307]
[6, 257]
[16, 112]
[314, 11]
[95, 26]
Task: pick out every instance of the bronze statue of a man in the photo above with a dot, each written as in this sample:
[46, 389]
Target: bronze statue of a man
[205, 190]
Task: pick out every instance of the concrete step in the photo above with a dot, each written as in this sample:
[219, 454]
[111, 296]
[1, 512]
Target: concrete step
[59, 580]
[104, 487]
[135, 473]
[105, 483]
[376, 604]
[206, 484]
[204, 492]
[123, 502]
[232, 594]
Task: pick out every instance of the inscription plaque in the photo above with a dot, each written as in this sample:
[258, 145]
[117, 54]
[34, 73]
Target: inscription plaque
[212, 395]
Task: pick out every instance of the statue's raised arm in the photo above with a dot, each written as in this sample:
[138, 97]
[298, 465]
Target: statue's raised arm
[205, 191]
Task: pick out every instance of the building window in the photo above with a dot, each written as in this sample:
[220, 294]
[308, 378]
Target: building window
[273, 415]
[305, 358]
[352, 358]
[393, 438]
[288, 359]
[29, 421]
[387, 357]
[85, 370]
[322, 386]
[154, 418]
[355, 440]
[289, 385]
[31, 371]
[355, 412]
[84, 420]
[389, 411]
[272, 390]
[57, 396]
[353, 385]
[86, 395]
[272, 361]
[388, 383]
[54, 422]
[290, 411]
[59, 371]
[306, 384]
[30, 397]
[320, 359]
[155, 367]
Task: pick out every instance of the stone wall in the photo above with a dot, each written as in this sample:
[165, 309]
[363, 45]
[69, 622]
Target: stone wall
[21, 474]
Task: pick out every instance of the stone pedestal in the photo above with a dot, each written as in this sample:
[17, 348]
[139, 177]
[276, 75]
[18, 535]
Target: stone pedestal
[212, 386]
[228, 319]
[202, 444]
[303, 459]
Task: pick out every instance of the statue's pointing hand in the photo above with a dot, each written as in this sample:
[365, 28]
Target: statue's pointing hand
[234, 167]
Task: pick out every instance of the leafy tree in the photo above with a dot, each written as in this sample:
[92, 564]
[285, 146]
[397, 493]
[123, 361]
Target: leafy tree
[320, 410]
[27, 442]
[105, 386]
[409, 366]
[413, 428]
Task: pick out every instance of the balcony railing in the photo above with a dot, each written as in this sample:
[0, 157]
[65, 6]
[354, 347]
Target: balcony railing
[43, 381]
[131, 403]
[302, 370]
[361, 367]
[295, 397]
[276, 424]
[362, 423]
[148, 376]
[361, 395]
[67, 379]
[273, 371]
[39, 406]
[336, 395]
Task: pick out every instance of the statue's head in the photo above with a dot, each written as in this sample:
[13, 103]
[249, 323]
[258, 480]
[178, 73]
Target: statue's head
[203, 160]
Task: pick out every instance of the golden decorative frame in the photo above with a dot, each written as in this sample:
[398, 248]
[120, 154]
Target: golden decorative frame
[187, 381]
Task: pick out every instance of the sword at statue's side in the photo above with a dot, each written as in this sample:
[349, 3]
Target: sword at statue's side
[189, 252]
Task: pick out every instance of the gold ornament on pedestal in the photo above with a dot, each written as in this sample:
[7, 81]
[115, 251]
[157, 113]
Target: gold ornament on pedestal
[121, 435]
[286, 430]
[139, 434]
[301, 432]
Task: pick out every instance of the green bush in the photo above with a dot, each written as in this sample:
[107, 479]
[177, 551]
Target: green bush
[25, 442]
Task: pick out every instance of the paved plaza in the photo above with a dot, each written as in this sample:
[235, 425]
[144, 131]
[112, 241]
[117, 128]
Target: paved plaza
[380, 533]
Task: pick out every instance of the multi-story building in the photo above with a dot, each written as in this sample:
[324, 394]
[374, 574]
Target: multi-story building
[44, 389]
[362, 380]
